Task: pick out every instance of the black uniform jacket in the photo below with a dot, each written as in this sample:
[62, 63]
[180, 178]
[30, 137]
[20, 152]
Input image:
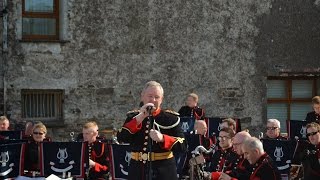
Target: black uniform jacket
[99, 153]
[310, 159]
[223, 160]
[264, 169]
[313, 117]
[242, 169]
[196, 112]
[168, 123]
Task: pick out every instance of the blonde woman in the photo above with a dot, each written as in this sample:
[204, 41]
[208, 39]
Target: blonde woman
[31, 162]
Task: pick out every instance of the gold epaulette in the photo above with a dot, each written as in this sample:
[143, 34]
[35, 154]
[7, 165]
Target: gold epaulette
[172, 112]
[133, 111]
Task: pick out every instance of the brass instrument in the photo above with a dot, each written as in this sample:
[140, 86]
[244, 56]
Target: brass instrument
[197, 162]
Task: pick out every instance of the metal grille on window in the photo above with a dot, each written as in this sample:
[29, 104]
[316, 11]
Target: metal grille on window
[42, 105]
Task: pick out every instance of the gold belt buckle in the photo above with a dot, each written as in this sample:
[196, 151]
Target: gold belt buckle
[144, 156]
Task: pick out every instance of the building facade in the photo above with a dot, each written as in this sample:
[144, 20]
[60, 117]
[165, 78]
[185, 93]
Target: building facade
[66, 61]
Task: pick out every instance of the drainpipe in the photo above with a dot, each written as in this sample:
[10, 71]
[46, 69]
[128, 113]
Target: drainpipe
[4, 52]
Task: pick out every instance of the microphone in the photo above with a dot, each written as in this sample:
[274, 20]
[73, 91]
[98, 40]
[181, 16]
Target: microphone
[149, 109]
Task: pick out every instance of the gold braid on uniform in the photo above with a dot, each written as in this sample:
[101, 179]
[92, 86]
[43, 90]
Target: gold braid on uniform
[178, 139]
[168, 127]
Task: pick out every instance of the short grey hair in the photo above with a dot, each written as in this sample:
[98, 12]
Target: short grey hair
[253, 143]
[153, 84]
[276, 121]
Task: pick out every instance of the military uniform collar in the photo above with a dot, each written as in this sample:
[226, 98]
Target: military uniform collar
[261, 160]
[156, 112]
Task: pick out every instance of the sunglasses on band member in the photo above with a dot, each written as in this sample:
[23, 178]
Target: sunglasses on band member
[38, 133]
[312, 133]
[272, 128]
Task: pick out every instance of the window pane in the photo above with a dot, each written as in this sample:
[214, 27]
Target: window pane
[276, 89]
[301, 88]
[39, 26]
[39, 5]
[299, 111]
[278, 111]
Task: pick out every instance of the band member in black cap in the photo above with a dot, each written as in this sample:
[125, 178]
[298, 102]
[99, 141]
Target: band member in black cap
[161, 138]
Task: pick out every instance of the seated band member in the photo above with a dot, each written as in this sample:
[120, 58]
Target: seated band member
[31, 162]
[192, 109]
[262, 165]
[314, 116]
[198, 137]
[224, 158]
[161, 138]
[310, 157]
[4, 123]
[230, 123]
[242, 170]
[273, 129]
[98, 152]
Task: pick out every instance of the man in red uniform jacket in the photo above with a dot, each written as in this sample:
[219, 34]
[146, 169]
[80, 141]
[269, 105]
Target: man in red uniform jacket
[262, 165]
[163, 137]
[98, 152]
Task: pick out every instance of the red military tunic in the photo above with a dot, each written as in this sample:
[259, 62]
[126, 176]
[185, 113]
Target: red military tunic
[164, 166]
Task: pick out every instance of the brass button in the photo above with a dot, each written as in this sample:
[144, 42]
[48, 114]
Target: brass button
[144, 156]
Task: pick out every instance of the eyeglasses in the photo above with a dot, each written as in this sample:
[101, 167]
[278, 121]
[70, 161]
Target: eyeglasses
[38, 133]
[312, 133]
[223, 138]
[272, 128]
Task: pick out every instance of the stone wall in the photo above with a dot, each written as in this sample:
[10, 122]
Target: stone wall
[221, 50]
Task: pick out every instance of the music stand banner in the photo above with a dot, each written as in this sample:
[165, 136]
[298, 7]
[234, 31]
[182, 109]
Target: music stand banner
[120, 157]
[6, 135]
[296, 128]
[11, 159]
[187, 124]
[281, 151]
[63, 158]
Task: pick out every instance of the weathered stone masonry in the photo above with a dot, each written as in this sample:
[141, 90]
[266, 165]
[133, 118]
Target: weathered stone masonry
[221, 50]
